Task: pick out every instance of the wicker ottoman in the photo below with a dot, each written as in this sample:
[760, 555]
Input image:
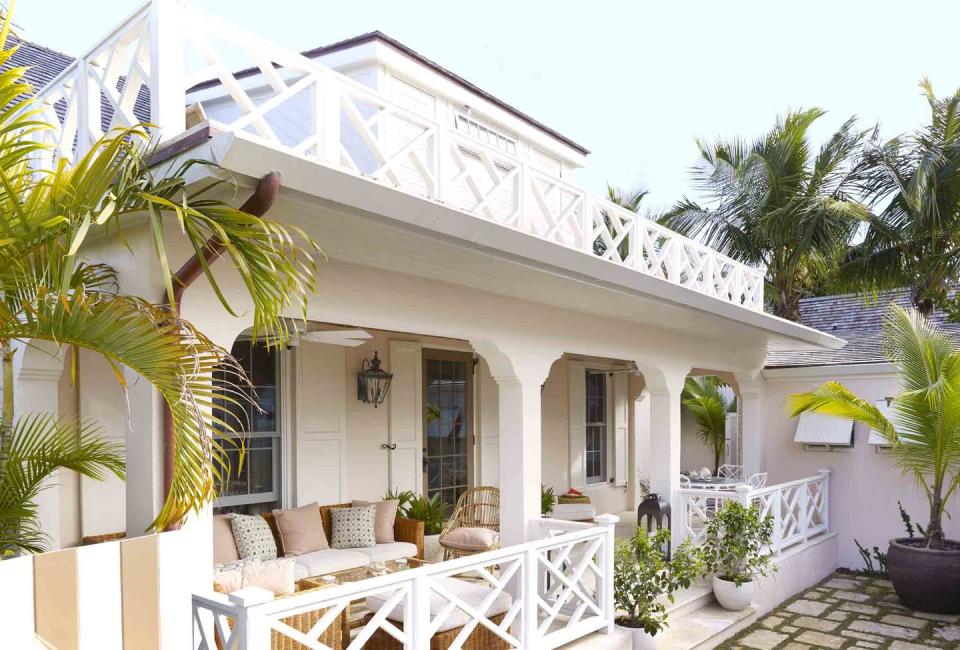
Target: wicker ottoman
[471, 593]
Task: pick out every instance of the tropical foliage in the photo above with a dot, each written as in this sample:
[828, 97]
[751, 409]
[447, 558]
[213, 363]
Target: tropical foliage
[924, 430]
[49, 292]
[709, 400]
[643, 572]
[772, 202]
[913, 183]
[736, 541]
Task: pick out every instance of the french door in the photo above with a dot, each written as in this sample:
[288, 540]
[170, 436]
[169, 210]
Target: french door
[447, 424]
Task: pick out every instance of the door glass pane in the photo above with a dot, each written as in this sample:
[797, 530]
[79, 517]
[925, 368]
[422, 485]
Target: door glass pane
[447, 425]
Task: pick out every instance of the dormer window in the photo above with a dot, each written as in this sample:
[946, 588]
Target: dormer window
[485, 133]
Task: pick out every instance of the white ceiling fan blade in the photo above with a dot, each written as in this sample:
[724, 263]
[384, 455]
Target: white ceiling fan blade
[346, 338]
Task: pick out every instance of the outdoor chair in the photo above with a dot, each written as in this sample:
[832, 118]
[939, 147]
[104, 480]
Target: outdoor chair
[477, 509]
[730, 471]
[758, 480]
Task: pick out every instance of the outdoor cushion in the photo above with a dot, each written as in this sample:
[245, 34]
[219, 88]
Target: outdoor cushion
[253, 537]
[391, 551]
[471, 539]
[224, 548]
[574, 512]
[227, 580]
[353, 527]
[331, 560]
[471, 593]
[386, 516]
[301, 529]
[276, 576]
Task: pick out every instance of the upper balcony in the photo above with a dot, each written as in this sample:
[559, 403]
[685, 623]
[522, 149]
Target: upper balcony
[159, 63]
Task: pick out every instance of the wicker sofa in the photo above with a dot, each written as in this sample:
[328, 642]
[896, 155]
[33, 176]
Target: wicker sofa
[408, 536]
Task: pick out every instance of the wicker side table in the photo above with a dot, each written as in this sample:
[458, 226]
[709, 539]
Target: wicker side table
[570, 498]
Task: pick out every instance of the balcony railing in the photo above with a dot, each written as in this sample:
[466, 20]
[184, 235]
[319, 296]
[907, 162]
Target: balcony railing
[292, 103]
[550, 592]
[799, 509]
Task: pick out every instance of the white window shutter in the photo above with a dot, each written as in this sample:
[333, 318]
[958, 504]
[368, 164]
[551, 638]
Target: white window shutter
[577, 421]
[405, 403]
[621, 419]
[321, 437]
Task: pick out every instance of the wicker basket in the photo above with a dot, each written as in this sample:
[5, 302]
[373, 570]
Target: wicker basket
[570, 498]
[480, 639]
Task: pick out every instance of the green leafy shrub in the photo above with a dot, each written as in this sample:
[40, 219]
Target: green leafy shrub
[642, 573]
[547, 500]
[735, 546]
[431, 512]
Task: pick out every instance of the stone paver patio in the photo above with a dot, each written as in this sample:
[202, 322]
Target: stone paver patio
[848, 611]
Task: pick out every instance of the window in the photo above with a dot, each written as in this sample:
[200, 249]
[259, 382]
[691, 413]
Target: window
[597, 418]
[487, 134]
[254, 485]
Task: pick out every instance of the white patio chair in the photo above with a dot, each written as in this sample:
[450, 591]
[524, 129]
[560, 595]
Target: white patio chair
[758, 480]
[730, 471]
[684, 481]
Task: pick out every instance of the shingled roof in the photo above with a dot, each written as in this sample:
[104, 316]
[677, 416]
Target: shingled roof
[856, 318]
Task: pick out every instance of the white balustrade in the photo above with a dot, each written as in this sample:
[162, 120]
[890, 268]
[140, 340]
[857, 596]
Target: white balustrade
[800, 509]
[561, 588]
[293, 103]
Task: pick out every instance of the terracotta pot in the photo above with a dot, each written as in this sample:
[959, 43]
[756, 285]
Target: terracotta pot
[925, 579]
[732, 597]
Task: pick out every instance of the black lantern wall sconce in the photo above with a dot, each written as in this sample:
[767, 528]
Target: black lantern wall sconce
[373, 382]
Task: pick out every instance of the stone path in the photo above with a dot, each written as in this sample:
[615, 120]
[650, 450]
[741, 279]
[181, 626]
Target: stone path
[848, 611]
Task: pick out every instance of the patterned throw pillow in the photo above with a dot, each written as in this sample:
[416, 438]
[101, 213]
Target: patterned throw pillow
[353, 527]
[253, 537]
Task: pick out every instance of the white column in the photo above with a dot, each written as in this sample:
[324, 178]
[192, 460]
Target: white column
[752, 432]
[519, 373]
[167, 89]
[665, 387]
[37, 370]
[144, 447]
[639, 446]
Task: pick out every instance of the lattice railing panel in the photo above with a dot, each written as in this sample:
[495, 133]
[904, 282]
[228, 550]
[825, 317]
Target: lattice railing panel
[556, 211]
[483, 181]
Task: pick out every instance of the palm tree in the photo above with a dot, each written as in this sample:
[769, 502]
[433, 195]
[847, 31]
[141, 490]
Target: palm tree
[709, 400]
[913, 239]
[49, 292]
[629, 199]
[924, 430]
[774, 204]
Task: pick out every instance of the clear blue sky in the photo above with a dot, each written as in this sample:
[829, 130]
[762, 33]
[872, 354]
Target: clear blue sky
[635, 82]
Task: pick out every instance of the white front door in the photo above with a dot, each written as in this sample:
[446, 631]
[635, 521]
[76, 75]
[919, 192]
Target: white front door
[405, 404]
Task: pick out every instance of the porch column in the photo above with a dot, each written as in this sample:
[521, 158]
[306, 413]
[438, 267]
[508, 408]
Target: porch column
[665, 386]
[752, 434]
[520, 374]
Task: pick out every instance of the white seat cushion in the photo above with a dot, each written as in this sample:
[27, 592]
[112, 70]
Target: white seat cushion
[471, 539]
[574, 512]
[391, 551]
[470, 593]
[331, 560]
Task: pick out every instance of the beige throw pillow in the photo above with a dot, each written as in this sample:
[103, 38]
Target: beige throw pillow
[276, 576]
[301, 529]
[224, 548]
[384, 519]
[471, 539]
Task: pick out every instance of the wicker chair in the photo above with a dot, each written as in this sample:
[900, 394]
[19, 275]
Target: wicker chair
[478, 507]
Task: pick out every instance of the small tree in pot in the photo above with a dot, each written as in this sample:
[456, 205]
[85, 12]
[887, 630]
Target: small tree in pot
[924, 436]
[735, 551]
[642, 575]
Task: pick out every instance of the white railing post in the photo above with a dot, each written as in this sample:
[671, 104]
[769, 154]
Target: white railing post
[329, 124]
[418, 614]
[168, 96]
[530, 593]
[605, 589]
[825, 497]
[251, 626]
[803, 505]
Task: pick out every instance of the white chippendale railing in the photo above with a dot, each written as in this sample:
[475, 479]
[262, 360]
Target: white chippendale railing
[550, 592]
[298, 105]
[800, 509]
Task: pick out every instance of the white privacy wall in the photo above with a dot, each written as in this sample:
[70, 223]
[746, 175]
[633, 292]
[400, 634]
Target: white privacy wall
[865, 484]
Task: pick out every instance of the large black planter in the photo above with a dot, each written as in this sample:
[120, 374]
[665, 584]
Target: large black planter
[925, 580]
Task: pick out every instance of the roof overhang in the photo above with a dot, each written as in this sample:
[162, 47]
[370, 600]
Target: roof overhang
[391, 228]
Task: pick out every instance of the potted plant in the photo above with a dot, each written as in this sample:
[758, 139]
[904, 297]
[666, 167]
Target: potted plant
[431, 512]
[734, 550]
[642, 574]
[924, 436]
[547, 500]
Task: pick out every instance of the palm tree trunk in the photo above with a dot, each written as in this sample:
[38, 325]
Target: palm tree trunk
[935, 536]
[716, 460]
[6, 414]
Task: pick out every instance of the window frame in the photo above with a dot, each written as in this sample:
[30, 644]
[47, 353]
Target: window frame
[276, 494]
[604, 452]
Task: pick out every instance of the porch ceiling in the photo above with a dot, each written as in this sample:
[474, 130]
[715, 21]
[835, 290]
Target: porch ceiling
[360, 221]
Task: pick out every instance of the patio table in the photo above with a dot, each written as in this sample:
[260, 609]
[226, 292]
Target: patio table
[715, 483]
